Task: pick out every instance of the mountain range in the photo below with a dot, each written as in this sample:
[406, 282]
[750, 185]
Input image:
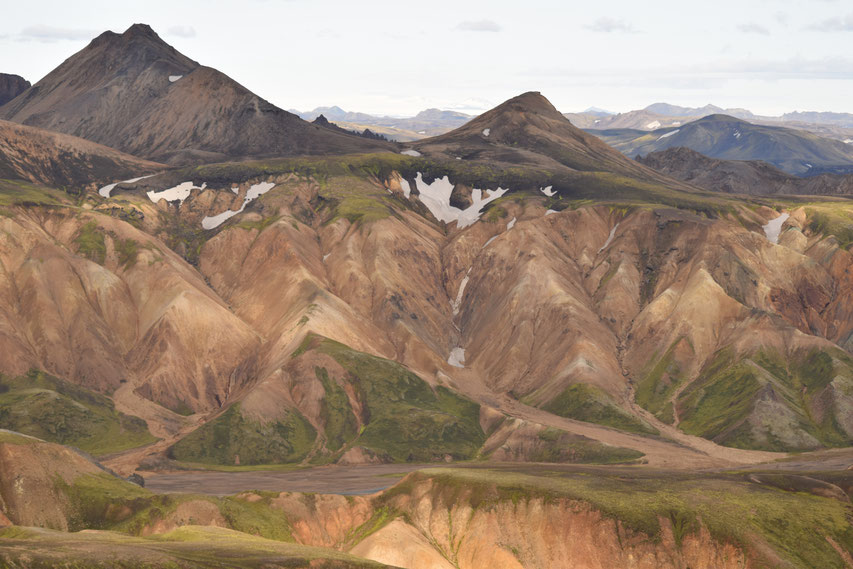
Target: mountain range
[606, 357]
[721, 136]
[430, 122]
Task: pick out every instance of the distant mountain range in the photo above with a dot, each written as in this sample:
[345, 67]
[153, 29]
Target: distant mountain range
[430, 122]
[721, 136]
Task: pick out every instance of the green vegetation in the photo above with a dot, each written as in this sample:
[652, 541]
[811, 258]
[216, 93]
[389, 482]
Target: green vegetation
[340, 422]
[720, 404]
[54, 410]
[90, 242]
[560, 446]
[19, 192]
[232, 438]
[795, 524]
[408, 420]
[657, 387]
[591, 404]
[127, 251]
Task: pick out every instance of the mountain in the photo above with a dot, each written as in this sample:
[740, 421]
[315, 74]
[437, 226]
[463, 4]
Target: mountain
[813, 117]
[667, 110]
[430, 122]
[720, 136]
[63, 161]
[528, 130]
[742, 176]
[639, 120]
[135, 93]
[11, 86]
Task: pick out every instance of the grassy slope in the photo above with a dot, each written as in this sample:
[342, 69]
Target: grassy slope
[189, 547]
[43, 406]
[588, 403]
[794, 523]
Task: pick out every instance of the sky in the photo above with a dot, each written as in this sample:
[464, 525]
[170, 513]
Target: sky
[398, 57]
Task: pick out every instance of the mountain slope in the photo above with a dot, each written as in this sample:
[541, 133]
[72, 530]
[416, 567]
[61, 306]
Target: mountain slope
[60, 160]
[136, 93]
[720, 136]
[741, 176]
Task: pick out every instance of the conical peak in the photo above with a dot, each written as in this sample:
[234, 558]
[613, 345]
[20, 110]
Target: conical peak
[140, 30]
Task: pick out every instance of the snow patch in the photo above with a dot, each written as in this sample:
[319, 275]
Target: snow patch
[773, 228]
[676, 123]
[486, 244]
[487, 131]
[511, 224]
[808, 165]
[848, 141]
[456, 304]
[326, 256]
[550, 211]
[457, 357]
[436, 197]
[173, 78]
[407, 189]
[653, 125]
[105, 191]
[548, 191]
[411, 152]
[178, 193]
[421, 132]
[737, 134]
[254, 192]
[609, 238]
[669, 134]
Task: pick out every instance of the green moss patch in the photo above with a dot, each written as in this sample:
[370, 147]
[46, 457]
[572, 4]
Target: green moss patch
[588, 403]
[90, 242]
[54, 410]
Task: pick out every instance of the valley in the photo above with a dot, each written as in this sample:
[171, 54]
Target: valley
[264, 342]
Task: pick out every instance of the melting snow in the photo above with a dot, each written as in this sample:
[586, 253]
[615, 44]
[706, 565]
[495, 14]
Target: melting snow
[173, 78]
[326, 256]
[773, 228]
[255, 191]
[550, 211]
[653, 125]
[486, 244]
[407, 189]
[511, 224]
[458, 302]
[609, 238]
[737, 134]
[808, 165]
[105, 191]
[457, 357]
[547, 191]
[411, 152]
[676, 123]
[487, 131]
[848, 141]
[669, 133]
[179, 193]
[436, 197]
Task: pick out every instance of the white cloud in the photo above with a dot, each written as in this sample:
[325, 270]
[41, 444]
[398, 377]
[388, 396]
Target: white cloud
[181, 31]
[44, 33]
[842, 24]
[609, 25]
[479, 26]
[753, 28]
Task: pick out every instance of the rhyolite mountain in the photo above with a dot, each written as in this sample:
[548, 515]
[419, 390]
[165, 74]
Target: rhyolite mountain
[134, 92]
[63, 161]
[742, 176]
[721, 136]
[429, 122]
[11, 86]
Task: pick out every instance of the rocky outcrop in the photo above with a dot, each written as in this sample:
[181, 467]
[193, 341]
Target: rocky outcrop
[11, 86]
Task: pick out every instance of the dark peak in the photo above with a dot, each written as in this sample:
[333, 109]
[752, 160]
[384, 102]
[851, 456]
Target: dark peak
[530, 103]
[719, 117]
[321, 120]
[137, 30]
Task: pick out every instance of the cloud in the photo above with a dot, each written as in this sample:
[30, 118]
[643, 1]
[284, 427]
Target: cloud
[479, 26]
[753, 28]
[181, 31]
[50, 34]
[609, 25]
[842, 24]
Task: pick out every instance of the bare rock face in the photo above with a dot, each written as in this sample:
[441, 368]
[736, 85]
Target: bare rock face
[11, 86]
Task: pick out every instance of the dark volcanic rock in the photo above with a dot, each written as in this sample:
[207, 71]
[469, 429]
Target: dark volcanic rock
[11, 86]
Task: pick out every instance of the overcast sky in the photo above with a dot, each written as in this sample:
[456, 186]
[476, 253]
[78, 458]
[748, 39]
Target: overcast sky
[399, 57]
